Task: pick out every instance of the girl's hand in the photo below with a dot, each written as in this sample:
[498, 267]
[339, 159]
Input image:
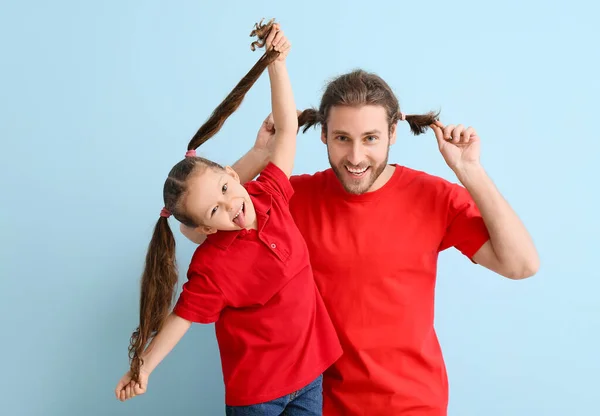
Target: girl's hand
[127, 388]
[278, 41]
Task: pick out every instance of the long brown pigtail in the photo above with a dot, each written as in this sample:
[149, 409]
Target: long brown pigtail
[232, 102]
[157, 291]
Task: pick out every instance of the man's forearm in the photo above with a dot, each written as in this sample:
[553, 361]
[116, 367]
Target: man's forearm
[513, 246]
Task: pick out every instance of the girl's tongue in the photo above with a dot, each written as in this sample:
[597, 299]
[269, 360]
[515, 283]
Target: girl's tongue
[240, 220]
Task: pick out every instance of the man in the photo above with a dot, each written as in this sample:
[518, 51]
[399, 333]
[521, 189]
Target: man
[374, 231]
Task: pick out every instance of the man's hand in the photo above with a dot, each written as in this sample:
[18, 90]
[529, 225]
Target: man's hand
[459, 146]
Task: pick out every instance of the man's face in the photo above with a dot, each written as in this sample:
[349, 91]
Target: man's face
[358, 144]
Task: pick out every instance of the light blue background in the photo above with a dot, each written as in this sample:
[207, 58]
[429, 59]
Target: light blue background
[99, 99]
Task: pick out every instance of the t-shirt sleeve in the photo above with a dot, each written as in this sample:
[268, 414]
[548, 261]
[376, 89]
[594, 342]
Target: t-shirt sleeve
[275, 182]
[201, 300]
[465, 228]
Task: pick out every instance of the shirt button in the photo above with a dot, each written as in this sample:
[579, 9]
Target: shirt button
[273, 245]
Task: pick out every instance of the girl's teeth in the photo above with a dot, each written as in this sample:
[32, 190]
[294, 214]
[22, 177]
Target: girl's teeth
[239, 212]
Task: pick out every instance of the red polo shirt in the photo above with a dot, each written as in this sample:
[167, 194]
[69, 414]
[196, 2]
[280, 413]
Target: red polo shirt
[273, 331]
[375, 259]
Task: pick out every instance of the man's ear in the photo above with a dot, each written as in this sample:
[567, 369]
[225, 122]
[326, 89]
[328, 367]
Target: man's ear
[393, 131]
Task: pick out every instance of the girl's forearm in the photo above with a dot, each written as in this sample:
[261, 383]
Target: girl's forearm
[285, 116]
[162, 344]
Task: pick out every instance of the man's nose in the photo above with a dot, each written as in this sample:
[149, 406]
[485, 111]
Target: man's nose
[356, 155]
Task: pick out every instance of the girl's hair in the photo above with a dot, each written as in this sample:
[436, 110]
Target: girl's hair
[359, 88]
[160, 272]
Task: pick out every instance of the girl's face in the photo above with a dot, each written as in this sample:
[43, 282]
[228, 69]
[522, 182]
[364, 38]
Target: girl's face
[218, 201]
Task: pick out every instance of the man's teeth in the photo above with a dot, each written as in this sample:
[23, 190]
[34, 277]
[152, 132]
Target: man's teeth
[239, 212]
[356, 171]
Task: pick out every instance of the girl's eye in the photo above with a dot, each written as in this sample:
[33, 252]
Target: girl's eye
[224, 188]
[213, 211]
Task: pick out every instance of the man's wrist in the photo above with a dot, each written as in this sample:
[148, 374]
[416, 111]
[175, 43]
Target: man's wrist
[469, 173]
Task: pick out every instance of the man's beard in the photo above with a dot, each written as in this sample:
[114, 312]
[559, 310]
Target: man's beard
[360, 185]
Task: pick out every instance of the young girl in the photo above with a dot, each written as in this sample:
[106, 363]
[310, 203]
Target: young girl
[251, 276]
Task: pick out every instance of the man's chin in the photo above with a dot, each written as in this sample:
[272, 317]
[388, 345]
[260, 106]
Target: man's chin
[357, 189]
[355, 186]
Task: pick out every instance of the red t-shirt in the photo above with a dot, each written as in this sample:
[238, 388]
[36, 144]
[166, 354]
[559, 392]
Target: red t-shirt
[273, 330]
[374, 258]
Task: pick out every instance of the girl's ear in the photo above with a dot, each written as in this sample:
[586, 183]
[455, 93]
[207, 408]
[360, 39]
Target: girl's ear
[232, 173]
[206, 230]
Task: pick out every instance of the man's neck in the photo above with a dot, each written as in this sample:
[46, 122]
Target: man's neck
[385, 176]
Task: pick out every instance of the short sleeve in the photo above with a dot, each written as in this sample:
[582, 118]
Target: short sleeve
[465, 228]
[275, 181]
[201, 300]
